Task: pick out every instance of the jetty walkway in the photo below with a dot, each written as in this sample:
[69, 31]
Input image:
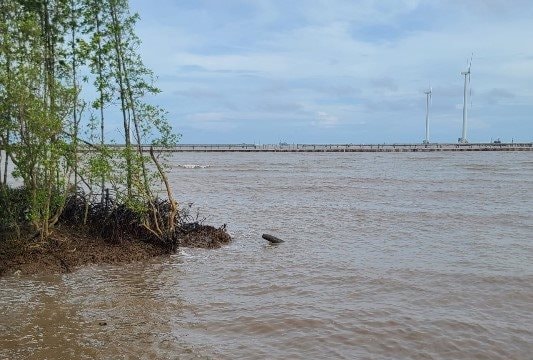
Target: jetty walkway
[346, 147]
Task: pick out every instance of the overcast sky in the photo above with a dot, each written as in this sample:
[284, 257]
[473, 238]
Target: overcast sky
[340, 71]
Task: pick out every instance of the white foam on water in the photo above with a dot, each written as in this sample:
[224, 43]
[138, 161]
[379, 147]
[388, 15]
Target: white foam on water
[193, 166]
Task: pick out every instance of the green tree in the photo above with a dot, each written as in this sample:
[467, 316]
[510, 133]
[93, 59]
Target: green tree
[46, 46]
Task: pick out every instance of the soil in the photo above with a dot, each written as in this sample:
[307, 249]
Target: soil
[70, 247]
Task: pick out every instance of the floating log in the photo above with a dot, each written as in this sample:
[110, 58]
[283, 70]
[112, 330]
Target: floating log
[272, 239]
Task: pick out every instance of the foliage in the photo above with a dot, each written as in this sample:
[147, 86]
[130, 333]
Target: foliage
[50, 50]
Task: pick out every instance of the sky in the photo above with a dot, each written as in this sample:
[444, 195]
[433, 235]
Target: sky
[340, 71]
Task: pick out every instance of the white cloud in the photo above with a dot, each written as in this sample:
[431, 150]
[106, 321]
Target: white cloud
[335, 61]
[325, 120]
[211, 121]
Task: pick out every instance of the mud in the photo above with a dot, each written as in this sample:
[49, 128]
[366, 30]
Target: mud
[69, 248]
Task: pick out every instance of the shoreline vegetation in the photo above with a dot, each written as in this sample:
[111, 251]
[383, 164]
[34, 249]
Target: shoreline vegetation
[97, 233]
[69, 69]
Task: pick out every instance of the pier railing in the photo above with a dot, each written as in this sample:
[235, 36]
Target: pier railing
[336, 147]
[346, 147]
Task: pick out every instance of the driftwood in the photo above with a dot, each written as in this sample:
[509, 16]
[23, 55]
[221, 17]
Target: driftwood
[272, 239]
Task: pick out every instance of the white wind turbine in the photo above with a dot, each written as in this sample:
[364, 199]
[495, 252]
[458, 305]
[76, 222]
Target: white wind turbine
[466, 74]
[428, 101]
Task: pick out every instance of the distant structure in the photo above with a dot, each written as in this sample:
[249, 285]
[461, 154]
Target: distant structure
[466, 74]
[428, 100]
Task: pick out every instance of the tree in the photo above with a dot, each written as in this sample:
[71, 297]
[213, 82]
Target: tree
[45, 47]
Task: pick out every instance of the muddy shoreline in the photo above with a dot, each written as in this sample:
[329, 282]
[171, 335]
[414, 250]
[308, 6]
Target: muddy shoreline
[70, 247]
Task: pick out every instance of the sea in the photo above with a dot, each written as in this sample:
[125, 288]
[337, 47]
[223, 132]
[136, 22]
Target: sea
[386, 256]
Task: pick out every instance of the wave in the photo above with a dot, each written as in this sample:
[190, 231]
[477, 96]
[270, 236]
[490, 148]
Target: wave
[192, 166]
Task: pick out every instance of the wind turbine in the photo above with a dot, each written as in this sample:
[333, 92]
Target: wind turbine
[428, 100]
[466, 74]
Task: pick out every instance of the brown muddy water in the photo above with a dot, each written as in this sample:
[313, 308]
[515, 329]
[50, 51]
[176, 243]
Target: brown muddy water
[387, 256]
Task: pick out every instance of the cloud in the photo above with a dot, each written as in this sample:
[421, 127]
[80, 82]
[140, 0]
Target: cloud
[337, 63]
[497, 95]
[325, 120]
[206, 117]
[198, 92]
[276, 107]
[337, 90]
[212, 121]
[386, 83]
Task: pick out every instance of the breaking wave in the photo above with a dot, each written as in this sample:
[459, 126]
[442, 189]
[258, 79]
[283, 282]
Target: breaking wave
[192, 166]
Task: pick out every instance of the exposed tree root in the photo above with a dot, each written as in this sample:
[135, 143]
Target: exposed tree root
[95, 232]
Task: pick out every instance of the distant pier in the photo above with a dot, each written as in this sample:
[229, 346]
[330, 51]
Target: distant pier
[346, 147]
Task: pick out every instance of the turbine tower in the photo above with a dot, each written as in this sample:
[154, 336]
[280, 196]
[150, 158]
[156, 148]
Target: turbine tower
[466, 74]
[428, 100]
